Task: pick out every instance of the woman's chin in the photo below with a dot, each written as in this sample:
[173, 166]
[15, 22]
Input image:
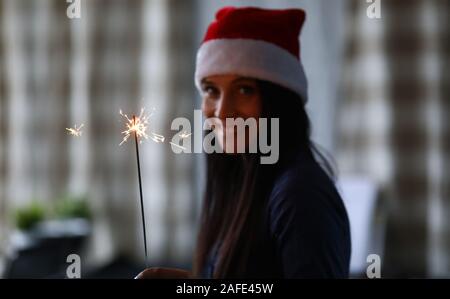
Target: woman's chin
[234, 147]
[231, 153]
[231, 149]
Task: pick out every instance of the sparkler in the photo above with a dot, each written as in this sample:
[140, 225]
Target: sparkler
[75, 131]
[137, 126]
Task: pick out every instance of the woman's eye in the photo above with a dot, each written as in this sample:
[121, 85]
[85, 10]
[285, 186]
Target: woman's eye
[211, 91]
[247, 90]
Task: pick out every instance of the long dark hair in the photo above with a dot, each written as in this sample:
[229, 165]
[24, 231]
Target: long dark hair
[238, 186]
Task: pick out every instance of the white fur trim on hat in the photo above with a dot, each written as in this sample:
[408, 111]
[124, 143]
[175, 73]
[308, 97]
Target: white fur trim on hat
[251, 58]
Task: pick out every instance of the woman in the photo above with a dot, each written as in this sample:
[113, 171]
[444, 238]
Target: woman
[280, 220]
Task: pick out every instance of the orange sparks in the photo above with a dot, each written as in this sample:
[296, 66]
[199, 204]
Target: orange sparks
[139, 125]
[75, 131]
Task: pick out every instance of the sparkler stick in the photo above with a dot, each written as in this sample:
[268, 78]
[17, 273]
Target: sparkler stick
[140, 191]
[138, 125]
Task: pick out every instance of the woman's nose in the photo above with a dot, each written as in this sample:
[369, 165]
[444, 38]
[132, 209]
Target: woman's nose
[225, 109]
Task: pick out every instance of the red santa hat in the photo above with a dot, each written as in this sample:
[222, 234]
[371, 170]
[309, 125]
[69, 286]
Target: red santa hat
[257, 43]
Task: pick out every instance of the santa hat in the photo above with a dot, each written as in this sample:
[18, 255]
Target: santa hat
[257, 43]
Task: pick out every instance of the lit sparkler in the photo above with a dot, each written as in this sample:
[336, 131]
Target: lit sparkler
[137, 126]
[140, 126]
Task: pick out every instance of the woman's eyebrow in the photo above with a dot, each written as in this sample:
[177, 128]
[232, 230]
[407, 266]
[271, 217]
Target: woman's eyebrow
[247, 80]
[206, 82]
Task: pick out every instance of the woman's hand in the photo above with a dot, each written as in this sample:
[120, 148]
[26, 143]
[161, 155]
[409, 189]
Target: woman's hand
[163, 273]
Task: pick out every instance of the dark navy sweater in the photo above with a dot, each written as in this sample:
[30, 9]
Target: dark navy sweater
[305, 232]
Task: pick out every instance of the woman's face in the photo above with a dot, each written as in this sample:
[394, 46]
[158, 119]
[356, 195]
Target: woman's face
[230, 96]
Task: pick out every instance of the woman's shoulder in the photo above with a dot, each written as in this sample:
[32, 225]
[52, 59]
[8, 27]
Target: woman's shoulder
[303, 175]
[305, 188]
[309, 223]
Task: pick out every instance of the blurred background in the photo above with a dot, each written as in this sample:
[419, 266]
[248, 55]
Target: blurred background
[379, 92]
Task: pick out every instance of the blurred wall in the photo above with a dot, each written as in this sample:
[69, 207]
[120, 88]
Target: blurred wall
[393, 126]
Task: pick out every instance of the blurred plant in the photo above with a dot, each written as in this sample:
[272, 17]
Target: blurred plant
[28, 216]
[71, 207]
